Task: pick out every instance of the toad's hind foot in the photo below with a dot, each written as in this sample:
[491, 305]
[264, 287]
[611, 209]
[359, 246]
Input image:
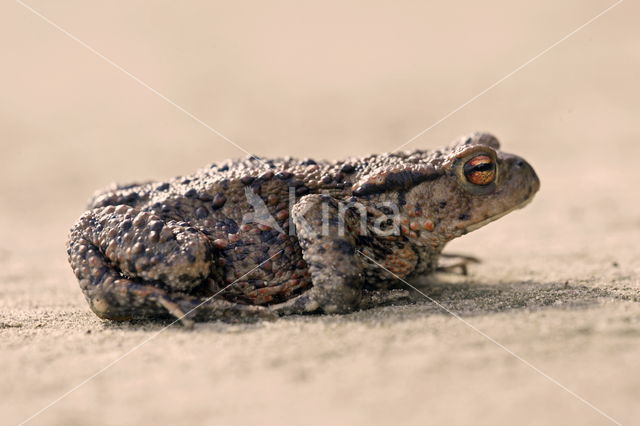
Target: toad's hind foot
[379, 298]
[455, 263]
[176, 311]
[210, 309]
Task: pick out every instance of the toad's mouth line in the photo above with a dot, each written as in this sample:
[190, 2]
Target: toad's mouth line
[482, 223]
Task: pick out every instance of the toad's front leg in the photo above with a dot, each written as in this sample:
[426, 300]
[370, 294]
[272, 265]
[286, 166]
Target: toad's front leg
[455, 263]
[329, 248]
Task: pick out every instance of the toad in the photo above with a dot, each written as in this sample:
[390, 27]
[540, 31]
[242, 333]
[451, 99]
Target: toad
[257, 238]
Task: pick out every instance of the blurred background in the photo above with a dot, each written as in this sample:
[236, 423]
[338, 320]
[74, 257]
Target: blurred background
[326, 80]
[307, 79]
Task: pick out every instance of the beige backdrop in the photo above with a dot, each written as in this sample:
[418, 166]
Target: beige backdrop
[559, 284]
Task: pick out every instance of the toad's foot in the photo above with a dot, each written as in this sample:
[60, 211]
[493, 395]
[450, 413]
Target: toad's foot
[209, 309]
[374, 299]
[455, 263]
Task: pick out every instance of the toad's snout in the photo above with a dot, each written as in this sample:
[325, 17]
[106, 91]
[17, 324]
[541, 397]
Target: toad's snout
[520, 176]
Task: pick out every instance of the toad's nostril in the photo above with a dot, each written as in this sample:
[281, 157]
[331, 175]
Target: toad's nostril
[520, 163]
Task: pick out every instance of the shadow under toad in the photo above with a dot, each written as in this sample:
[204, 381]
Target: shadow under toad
[472, 297]
[465, 298]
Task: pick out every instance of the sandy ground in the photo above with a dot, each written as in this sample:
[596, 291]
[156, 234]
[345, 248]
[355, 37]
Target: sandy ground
[551, 316]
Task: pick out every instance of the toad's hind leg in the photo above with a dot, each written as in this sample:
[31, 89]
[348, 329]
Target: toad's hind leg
[133, 265]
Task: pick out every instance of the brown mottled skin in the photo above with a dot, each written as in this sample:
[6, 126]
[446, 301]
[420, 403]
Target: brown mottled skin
[161, 249]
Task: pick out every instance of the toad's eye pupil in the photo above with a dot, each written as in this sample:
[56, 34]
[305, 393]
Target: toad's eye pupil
[480, 170]
[483, 167]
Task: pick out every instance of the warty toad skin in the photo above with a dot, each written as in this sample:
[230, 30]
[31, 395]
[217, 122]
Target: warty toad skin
[256, 238]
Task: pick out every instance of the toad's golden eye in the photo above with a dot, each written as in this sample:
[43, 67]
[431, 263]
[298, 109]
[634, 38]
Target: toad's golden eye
[480, 170]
